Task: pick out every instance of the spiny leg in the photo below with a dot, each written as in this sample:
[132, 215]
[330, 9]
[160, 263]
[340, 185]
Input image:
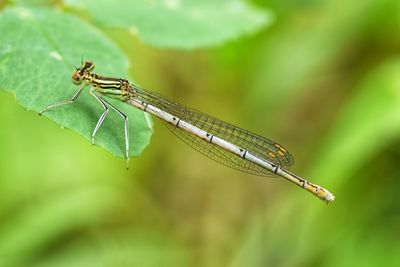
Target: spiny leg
[103, 115]
[64, 102]
[126, 130]
[105, 105]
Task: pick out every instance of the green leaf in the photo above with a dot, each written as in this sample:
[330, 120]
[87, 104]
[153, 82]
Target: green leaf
[38, 52]
[181, 24]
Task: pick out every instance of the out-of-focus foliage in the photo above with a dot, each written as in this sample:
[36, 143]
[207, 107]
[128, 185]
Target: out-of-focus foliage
[369, 120]
[323, 81]
[179, 24]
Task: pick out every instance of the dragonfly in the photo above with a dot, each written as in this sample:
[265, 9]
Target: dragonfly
[219, 140]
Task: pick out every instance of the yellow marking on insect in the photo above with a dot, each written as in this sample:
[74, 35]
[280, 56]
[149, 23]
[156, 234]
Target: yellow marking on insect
[280, 153]
[272, 155]
[280, 148]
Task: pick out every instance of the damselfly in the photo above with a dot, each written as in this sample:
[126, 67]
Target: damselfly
[221, 141]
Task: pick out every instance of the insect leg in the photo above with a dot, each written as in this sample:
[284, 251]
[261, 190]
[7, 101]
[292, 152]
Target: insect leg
[103, 115]
[64, 102]
[106, 104]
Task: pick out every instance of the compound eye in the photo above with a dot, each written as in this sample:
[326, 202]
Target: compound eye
[76, 78]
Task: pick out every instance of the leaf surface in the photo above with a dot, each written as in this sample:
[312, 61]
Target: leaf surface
[38, 52]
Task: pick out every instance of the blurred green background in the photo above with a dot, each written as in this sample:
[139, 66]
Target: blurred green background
[323, 79]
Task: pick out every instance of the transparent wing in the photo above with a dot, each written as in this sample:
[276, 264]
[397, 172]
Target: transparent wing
[257, 145]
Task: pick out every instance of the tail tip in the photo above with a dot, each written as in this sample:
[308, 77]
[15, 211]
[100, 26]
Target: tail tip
[329, 197]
